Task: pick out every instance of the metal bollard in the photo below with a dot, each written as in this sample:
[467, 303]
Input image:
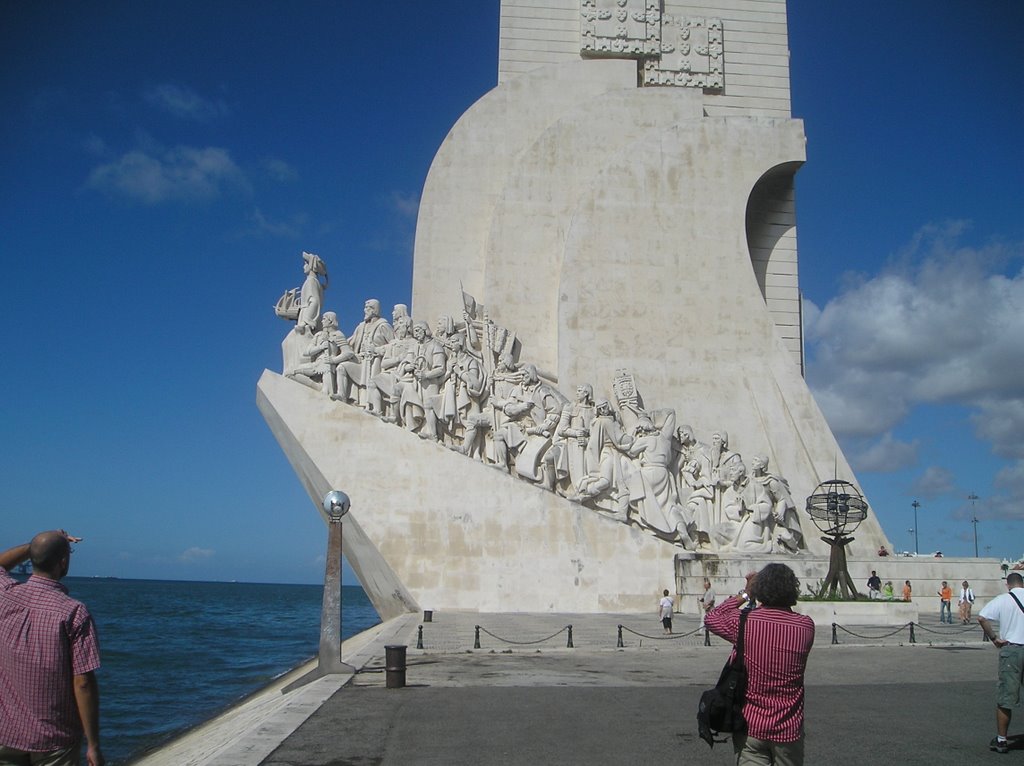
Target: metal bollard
[707, 636]
[835, 637]
[394, 665]
[428, 615]
[476, 640]
[419, 638]
[913, 638]
[618, 644]
[568, 644]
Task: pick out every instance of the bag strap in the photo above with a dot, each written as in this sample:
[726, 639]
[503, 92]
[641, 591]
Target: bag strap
[743, 625]
[1012, 595]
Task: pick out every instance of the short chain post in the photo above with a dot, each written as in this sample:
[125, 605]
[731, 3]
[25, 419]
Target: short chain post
[568, 644]
[619, 643]
[913, 638]
[419, 638]
[476, 640]
[835, 636]
[707, 636]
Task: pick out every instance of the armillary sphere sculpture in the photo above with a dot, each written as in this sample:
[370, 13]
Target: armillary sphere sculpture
[837, 509]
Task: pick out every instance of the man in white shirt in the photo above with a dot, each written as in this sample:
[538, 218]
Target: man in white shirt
[1008, 611]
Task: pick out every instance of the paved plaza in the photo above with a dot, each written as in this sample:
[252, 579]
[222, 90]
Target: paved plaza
[869, 700]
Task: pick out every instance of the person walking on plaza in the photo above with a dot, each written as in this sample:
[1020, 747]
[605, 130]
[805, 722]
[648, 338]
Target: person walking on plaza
[49, 696]
[1008, 611]
[945, 601]
[965, 602]
[874, 586]
[665, 608]
[776, 642]
[707, 601]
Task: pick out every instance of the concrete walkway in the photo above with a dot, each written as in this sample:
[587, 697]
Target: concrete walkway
[869, 700]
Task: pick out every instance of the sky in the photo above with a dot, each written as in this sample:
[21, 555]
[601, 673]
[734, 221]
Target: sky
[164, 164]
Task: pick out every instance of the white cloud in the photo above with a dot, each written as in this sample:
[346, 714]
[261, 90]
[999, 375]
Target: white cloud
[194, 554]
[886, 455]
[183, 102]
[291, 228]
[407, 205]
[279, 170]
[943, 324]
[934, 482]
[180, 173]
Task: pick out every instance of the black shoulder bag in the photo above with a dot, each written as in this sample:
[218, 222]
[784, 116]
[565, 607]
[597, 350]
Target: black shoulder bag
[721, 708]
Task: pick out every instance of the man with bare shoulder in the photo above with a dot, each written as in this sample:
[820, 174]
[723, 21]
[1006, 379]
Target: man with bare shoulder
[49, 697]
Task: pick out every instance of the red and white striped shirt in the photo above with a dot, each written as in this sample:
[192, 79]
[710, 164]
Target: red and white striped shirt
[46, 638]
[776, 643]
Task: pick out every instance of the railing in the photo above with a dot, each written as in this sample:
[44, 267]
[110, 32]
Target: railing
[911, 626]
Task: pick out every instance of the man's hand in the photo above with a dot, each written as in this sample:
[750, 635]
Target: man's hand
[94, 756]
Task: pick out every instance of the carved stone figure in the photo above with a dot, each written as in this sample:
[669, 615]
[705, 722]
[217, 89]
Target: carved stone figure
[368, 341]
[532, 408]
[421, 401]
[574, 432]
[788, 534]
[604, 486]
[327, 348]
[695, 488]
[465, 387]
[395, 373]
[746, 514]
[652, 492]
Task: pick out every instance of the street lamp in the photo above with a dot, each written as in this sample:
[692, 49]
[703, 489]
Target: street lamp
[910, 532]
[336, 504]
[916, 506]
[974, 520]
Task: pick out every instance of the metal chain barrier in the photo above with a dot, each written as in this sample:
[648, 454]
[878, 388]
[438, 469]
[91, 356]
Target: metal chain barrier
[567, 629]
[947, 631]
[671, 637]
[911, 625]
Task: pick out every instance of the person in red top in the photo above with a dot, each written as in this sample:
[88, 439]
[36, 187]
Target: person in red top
[776, 644]
[49, 696]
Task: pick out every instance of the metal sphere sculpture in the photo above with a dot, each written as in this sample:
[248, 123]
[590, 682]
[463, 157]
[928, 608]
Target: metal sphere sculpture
[837, 508]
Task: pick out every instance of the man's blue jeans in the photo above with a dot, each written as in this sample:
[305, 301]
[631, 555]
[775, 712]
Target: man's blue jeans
[945, 612]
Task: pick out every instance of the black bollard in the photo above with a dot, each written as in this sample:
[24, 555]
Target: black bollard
[394, 665]
[619, 644]
[476, 639]
[707, 636]
[568, 644]
[913, 638]
[419, 638]
[835, 637]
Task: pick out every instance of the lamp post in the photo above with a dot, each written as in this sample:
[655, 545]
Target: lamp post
[910, 532]
[336, 504]
[916, 506]
[974, 520]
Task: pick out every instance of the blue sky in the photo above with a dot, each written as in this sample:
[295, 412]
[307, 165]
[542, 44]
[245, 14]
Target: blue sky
[166, 163]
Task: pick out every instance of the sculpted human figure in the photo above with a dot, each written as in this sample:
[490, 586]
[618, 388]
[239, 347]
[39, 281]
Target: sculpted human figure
[395, 375]
[746, 514]
[695, 489]
[327, 348]
[574, 432]
[722, 460]
[368, 341]
[311, 296]
[465, 387]
[420, 402]
[604, 486]
[788, 534]
[652, 493]
[532, 410]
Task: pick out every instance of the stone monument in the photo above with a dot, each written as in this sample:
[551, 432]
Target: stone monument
[599, 392]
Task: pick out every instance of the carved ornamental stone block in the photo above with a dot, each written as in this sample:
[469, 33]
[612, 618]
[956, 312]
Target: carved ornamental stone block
[620, 28]
[691, 54]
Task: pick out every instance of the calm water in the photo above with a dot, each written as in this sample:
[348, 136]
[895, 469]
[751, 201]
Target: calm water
[176, 653]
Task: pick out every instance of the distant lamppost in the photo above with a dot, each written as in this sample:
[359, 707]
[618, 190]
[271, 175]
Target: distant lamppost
[974, 520]
[916, 506]
[910, 532]
[336, 504]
